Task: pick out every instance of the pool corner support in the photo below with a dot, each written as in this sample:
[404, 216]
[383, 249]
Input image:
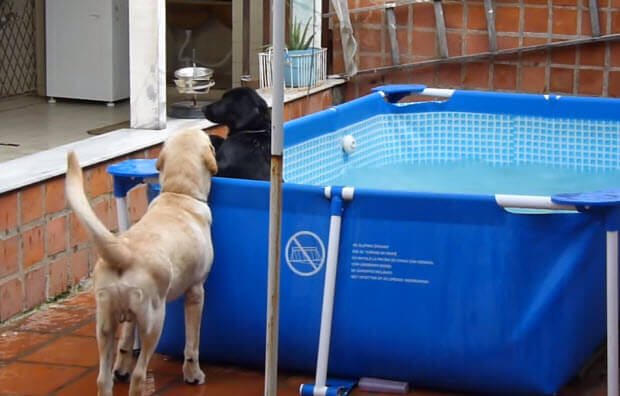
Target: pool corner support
[612, 225]
[337, 196]
[606, 202]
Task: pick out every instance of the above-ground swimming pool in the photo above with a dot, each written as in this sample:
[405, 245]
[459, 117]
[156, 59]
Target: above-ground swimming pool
[438, 284]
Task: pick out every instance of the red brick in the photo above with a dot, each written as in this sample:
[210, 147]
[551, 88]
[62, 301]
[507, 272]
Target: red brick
[423, 15]
[402, 35]
[8, 211]
[9, 256]
[453, 15]
[564, 21]
[564, 55]
[591, 82]
[55, 195]
[104, 212]
[56, 234]
[10, 299]
[477, 43]
[476, 75]
[98, 181]
[338, 62]
[369, 40]
[367, 82]
[79, 265]
[614, 53]
[542, 2]
[476, 17]
[424, 44]
[455, 44]
[399, 76]
[561, 80]
[114, 221]
[614, 84]
[507, 42]
[58, 280]
[401, 14]
[535, 57]
[533, 79]
[35, 287]
[326, 99]
[586, 25]
[373, 16]
[153, 152]
[615, 22]
[572, 3]
[351, 91]
[449, 76]
[77, 232]
[507, 19]
[593, 54]
[535, 20]
[505, 77]
[32, 203]
[32, 246]
[136, 203]
[423, 75]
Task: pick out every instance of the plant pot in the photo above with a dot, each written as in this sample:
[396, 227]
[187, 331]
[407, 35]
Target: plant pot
[302, 68]
[299, 68]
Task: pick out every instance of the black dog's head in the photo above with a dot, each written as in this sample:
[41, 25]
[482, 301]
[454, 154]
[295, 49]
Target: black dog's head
[240, 109]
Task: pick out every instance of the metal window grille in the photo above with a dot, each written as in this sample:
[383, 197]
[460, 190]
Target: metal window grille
[18, 73]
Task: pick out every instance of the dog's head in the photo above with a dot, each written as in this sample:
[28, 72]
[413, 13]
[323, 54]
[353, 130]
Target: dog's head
[186, 164]
[240, 109]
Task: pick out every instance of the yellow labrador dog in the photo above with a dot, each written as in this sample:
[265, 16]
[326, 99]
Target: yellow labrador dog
[167, 254]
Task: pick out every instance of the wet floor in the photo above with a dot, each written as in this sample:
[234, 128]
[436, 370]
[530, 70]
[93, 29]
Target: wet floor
[54, 352]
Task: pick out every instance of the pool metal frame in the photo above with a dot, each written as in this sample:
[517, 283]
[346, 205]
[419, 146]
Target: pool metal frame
[395, 93]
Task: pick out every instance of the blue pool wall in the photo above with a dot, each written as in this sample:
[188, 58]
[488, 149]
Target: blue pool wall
[485, 301]
[552, 131]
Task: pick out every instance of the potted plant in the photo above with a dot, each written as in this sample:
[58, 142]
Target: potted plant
[304, 65]
[299, 70]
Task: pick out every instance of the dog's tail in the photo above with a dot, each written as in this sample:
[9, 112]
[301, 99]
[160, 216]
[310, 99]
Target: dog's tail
[109, 247]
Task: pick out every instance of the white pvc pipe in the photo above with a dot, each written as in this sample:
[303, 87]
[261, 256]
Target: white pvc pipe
[440, 92]
[328, 300]
[529, 202]
[121, 214]
[612, 313]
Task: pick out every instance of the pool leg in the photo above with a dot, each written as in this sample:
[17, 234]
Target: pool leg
[612, 313]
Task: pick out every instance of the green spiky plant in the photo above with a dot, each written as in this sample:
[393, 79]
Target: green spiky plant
[297, 39]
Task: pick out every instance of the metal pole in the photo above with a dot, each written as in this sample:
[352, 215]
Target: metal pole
[275, 201]
[612, 313]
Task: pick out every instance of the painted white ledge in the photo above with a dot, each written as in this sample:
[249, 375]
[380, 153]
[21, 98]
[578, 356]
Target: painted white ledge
[46, 164]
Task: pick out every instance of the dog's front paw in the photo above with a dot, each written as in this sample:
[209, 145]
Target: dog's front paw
[192, 374]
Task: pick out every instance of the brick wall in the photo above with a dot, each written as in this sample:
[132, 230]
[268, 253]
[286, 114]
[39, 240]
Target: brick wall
[592, 69]
[44, 249]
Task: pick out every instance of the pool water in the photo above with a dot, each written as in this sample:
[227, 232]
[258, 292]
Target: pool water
[479, 178]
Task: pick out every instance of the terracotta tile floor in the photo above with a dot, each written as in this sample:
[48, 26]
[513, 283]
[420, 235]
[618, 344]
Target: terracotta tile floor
[53, 352]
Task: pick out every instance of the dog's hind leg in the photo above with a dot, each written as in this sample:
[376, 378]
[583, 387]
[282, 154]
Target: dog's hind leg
[194, 301]
[122, 366]
[150, 323]
[106, 331]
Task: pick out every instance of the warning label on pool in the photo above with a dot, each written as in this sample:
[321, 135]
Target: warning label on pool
[379, 262]
[305, 253]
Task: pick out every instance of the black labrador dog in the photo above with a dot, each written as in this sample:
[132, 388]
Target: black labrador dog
[245, 153]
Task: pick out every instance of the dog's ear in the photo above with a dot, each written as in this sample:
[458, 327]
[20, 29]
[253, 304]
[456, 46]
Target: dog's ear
[209, 159]
[160, 161]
